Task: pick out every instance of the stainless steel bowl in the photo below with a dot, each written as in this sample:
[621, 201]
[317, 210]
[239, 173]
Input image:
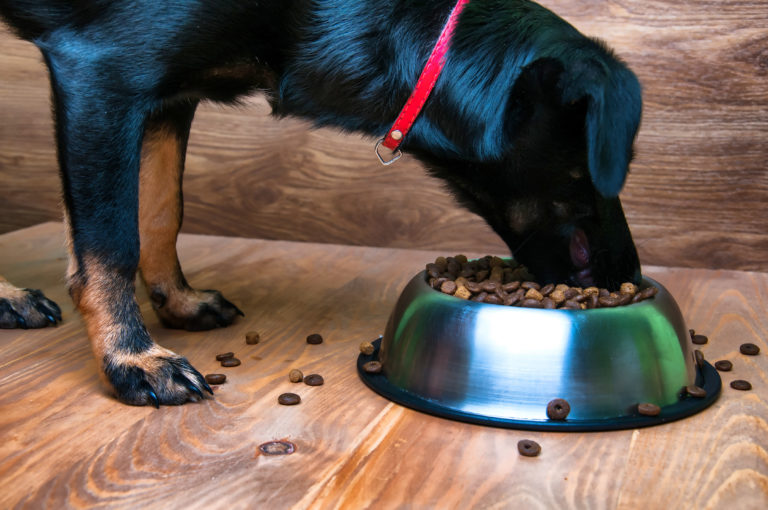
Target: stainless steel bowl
[501, 365]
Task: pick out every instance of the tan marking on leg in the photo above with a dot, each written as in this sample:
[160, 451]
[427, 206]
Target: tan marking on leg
[160, 213]
[160, 210]
[72, 261]
[94, 297]
[9, 291]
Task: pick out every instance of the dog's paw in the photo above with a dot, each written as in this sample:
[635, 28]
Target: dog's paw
[156, 376]
[194, 310]
[26, 308]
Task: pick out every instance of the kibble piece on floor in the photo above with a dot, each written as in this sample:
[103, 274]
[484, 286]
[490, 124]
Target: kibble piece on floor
[696, 391]
[366, 348]
[723, 365]
[252, 337]
[372, 367]
[699, 339]
[225, 355]
[230, 362]
[648, 409]
[740, 384]
[295, 375]
[314, 339]
[528, 448]
[288, 399]
[558, 409]
[215, 378]
[314, 380]
[698, 357]
[749, 349]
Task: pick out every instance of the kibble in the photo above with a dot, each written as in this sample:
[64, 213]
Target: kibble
[314, 380]
[366, 348]
[741, 384]
[695, 391]
[230, 362]
[288, 399]
[749, 349]
[528, 448]
[295, 375]
[699, 339]
[724, 365]
[648, 409]
[558, 409]
[223, 356]
[698, 357]
[314, 339]
[252, 337]
[215, 378]
[372, 367]
[496, 281]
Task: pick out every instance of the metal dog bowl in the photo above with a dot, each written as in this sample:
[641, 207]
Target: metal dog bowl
[501, 365]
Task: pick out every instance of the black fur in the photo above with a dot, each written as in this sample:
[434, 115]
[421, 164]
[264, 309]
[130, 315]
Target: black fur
[531, 124]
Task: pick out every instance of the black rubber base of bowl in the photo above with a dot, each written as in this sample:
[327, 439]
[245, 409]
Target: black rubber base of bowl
[706, 377]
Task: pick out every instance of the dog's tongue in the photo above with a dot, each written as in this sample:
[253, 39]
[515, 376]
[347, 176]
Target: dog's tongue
[579, 249]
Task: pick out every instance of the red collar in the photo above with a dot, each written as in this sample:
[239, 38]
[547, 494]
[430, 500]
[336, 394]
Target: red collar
[424, 86]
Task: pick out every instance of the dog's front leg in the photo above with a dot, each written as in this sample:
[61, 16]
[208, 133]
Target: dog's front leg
[160, 212]
[100, 118]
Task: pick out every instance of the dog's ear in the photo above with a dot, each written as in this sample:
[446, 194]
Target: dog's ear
[614, 106]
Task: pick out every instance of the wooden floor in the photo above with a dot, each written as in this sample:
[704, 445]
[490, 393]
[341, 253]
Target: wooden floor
[65, 443]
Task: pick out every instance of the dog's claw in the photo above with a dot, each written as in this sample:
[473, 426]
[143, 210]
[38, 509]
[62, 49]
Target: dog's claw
[194, 389]
[21, 321]
[52, 313]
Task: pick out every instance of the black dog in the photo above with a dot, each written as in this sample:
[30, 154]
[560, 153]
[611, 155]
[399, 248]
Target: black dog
[531, 124]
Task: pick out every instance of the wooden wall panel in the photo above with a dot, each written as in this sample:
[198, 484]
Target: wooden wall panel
[696, 195]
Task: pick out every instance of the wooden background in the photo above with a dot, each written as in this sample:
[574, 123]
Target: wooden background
[696, 196]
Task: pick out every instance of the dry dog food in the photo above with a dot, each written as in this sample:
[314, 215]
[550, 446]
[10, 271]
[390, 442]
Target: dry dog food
[223, 356]
[698, 356]
[366, 348]
[288, 399]
[699, 339]
[497, 281]
[295, 375]
[695, 391]
[558, 409]
[749, 349]
[723, 365]
[314, 380]
[740, 384]
[215, 378]
[528, 448]
[230, 362]
[372, 367]
[252, 337]
[648, 409]
[314, 339]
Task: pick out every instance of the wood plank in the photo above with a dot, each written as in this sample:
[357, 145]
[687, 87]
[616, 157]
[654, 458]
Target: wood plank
[695, 197]
[68, 444]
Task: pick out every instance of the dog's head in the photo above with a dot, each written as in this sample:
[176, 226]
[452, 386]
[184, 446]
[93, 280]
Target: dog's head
[551, 193]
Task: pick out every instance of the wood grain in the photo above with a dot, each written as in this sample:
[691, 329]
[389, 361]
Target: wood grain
[695, 197]
[68, 445]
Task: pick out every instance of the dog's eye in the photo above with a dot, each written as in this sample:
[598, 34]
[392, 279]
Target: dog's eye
[576, 173]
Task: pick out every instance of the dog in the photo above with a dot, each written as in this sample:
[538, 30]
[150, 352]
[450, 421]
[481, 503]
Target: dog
[531, 124]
